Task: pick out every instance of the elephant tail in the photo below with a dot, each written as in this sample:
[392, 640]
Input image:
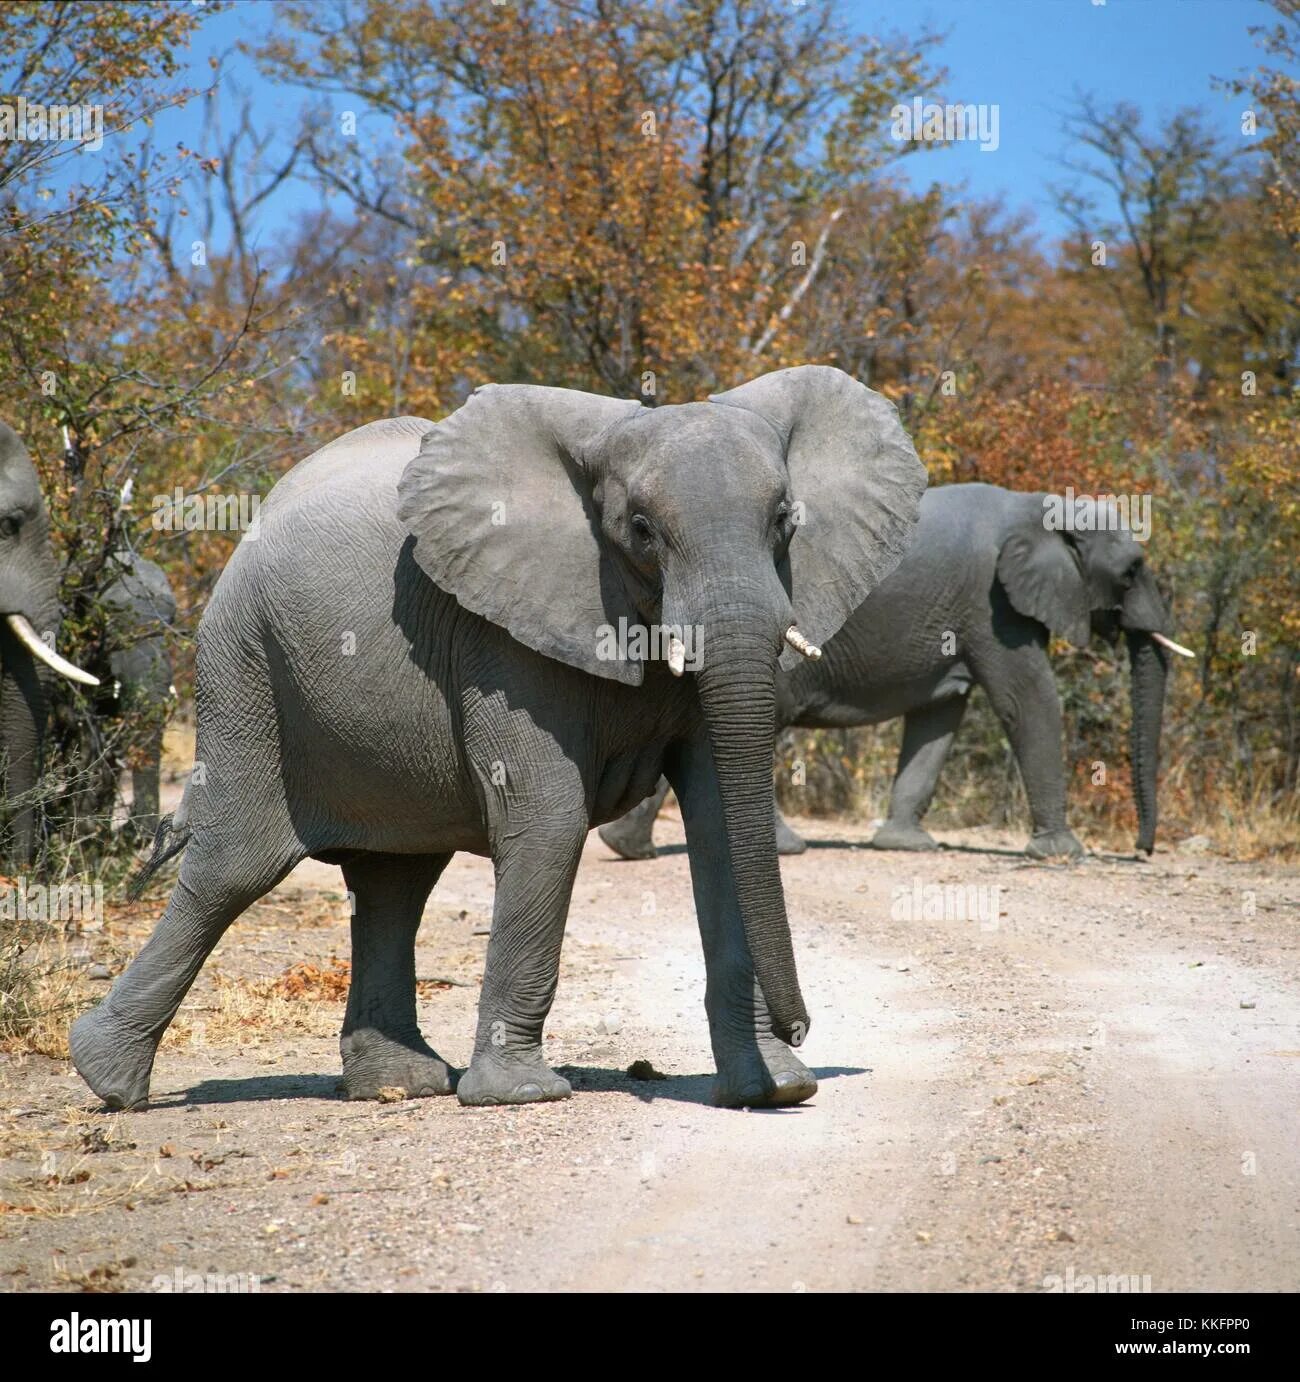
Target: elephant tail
[172, 835]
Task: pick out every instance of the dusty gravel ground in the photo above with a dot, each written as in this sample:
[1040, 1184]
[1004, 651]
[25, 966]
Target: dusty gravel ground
[1101, 1082]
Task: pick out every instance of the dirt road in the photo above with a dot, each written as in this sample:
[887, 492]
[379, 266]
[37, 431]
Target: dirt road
[1042, 1078]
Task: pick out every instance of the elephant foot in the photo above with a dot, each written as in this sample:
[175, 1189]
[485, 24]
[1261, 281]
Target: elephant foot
[627, 841]
[1055, 844]
[898, 835]
[115, 1063]
[787, 842]
[770, 1077]
[502, 1079]
[374, 1062]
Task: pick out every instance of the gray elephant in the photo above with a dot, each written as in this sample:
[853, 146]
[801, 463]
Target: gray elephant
[473, 636]
[29, 621]
[141, 607]
[971, 604]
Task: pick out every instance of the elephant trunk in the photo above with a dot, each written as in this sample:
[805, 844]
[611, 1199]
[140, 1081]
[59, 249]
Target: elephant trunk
[1148, 667]
[738, 695]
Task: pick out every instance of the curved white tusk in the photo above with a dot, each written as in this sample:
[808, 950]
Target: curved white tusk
[676, 656]
[1172, 646]
[37, 646]
[800, 644]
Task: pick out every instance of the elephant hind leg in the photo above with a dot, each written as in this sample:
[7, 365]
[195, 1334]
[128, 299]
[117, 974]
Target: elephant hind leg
[928, 733]
[114, 1044]
[1032, 721]
[632, 835]
[381, 1043]
[788, 839]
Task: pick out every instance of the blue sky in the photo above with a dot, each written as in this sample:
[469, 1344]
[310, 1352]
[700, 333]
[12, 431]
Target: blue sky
[1029, 57]
[1026, 56]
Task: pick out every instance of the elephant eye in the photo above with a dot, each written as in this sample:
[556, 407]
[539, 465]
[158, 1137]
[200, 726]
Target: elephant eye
[1131, 574]
[641, 527]
[10, 524]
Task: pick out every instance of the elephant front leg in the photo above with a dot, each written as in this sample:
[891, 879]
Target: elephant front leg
[381, 1043]
[535, 869]
[755, 1068]
[928, 733]
[1025, 700]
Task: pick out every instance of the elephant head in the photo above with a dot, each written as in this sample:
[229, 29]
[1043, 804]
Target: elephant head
[1096, 580]
[29, 616]
[759, 519]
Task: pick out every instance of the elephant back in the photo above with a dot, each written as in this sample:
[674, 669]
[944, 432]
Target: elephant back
[374, 447]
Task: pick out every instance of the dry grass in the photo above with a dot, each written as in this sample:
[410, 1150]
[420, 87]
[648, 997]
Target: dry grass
[311, 983]
[43, 986]
[251, 1012]
[1263, 829]
[83, 1135]
[78, 1191]
[75, 1179]
[306, 1000]
[72, 1180]
[103, 1278]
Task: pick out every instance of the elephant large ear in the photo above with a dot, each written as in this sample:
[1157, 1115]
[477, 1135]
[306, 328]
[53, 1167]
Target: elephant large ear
[1041, 574]
[857, 481]
[502, 513]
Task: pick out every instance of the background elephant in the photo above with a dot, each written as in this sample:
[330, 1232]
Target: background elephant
[971, 604]
[137, 607]
[29, 620]
[414, 658]
[141, 607]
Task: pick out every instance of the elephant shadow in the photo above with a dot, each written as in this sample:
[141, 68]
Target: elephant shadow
[865, 847]
[986, 851]
[681, 1089]
[254, 1089]
[1093, 856]
[854, 847]
[585, 1079]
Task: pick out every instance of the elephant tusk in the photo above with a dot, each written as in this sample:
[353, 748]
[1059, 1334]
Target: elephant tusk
[37, 646]
[800, 644]
[676, 656]
[1172, 646]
